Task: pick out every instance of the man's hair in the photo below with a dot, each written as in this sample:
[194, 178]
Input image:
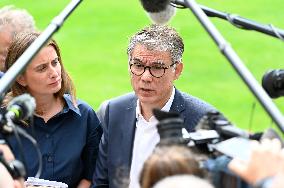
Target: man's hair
[17, 19]
[168, 161]
[160, 38]
[183, 181]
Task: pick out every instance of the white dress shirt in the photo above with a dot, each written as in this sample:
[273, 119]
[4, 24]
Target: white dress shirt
[145, 140]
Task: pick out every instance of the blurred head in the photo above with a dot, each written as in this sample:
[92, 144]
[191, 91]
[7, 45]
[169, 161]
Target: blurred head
[12, 21]
[45, 75]
[183, 181]
[168, 161]
[155, 61]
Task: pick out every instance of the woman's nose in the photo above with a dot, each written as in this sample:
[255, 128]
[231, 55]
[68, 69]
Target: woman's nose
[53, 72]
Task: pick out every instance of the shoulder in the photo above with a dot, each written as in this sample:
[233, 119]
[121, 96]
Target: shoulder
[191, 108]
[80, 103]
[116, 105]
[192, 101]
[126, 98]
[83, 109]
[122, 100]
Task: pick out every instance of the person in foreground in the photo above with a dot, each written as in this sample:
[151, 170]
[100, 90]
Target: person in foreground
[265, 167]
[183, 181]
[130, 132]
[12, 22]
[170, 160]
[67, 130]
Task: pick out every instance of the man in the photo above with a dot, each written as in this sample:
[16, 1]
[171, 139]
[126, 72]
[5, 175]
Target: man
[12, 22]
[130, 133]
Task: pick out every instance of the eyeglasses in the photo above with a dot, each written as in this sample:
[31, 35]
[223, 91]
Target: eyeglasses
[156, 70]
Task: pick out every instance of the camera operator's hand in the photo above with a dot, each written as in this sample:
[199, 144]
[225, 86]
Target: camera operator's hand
[8, 155]
[266, 160]
[6, 181]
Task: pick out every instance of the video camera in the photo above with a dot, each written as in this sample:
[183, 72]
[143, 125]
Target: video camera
[214, 135]
[215, 141]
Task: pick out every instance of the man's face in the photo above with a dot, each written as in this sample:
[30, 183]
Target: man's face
[150, 90]
[5, 41]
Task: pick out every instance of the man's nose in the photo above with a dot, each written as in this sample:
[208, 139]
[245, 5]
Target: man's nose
[147, 76]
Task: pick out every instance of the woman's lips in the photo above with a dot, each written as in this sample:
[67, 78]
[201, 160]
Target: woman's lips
[55, 83]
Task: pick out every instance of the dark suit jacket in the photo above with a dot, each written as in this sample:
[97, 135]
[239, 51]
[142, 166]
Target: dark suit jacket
[118, 117]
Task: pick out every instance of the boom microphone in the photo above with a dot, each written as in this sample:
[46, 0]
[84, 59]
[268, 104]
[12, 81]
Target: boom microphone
[21, 107]
[273, 83]
[160, 11]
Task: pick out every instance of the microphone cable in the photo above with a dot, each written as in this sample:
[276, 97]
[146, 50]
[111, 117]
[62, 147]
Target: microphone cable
[19, 131]
[34, 142]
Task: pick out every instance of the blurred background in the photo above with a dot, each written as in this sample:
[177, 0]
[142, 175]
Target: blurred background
[94, 39]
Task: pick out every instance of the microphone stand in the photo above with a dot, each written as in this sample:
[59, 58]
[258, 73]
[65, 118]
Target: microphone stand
[22, 62]
[237, 21]
[238, 65]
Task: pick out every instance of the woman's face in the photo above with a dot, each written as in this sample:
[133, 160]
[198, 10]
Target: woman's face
[43, 74]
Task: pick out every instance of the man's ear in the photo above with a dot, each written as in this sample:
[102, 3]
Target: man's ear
[22, 81]
[178, 70]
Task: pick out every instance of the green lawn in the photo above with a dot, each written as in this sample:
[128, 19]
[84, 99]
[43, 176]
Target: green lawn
[94, 40]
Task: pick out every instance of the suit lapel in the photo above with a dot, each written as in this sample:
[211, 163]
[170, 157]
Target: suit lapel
[178, 104]
[129, 124]
[128, 131]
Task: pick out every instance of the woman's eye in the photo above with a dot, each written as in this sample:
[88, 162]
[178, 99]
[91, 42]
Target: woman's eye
[41, 68]
[55, 62]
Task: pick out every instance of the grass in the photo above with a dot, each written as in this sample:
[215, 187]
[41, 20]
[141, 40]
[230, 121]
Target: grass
[94, 40]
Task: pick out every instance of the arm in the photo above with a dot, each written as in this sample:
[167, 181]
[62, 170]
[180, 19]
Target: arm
[90, 151]
[84, 184]
[100, 178]
[4, 148]
[6, 179]
[266, 161]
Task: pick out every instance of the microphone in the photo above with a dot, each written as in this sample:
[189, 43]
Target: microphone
[21, 107]
[273, 83]
[159, 11]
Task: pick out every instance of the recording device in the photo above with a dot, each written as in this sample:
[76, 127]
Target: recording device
[18, 109]
[210, 127]
[215, 120]
[214, 134]
[160, 11]
[21, 107]
[170, 128]
[273, 83]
